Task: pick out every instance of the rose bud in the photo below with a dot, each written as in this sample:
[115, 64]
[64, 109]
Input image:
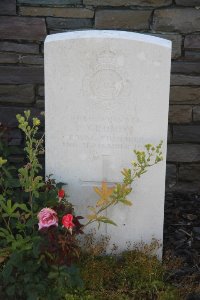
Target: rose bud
[67, 222]
[61, 194]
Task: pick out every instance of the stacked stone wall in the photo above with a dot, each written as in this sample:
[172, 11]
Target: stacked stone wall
[24, 25]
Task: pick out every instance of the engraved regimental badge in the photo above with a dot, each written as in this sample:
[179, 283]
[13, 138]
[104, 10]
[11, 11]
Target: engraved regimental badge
[107, 84]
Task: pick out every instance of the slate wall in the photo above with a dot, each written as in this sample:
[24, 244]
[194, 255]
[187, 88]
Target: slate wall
[25, 23]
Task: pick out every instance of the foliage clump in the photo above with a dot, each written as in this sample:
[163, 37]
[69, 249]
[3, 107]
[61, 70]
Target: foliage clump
[135, 274]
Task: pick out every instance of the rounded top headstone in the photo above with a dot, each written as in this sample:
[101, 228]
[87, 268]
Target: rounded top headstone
[111, 34]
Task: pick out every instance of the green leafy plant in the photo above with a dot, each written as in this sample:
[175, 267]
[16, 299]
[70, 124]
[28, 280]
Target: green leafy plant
[8, 180]
[31, 259]
[111, 196]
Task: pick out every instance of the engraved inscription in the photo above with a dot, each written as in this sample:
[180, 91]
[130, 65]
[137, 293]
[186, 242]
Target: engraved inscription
[107, 134]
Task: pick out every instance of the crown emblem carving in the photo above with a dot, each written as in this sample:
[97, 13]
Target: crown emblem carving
[106, 59]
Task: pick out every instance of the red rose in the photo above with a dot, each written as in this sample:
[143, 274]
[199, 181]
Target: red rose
[67, 221]
[61, 193]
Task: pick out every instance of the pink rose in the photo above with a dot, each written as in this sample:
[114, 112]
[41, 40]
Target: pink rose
[47, 217]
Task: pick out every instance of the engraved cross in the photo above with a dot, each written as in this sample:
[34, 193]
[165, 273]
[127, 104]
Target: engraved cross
[105, 172]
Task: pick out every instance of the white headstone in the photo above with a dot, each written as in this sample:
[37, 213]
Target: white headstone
[107, 93]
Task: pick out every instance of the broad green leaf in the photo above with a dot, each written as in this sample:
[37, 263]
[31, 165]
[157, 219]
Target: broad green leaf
[23, 207]
[106, 220]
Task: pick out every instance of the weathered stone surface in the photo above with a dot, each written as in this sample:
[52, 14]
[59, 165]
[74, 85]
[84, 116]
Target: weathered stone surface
[57, 12]
[179, 79]
[186, 133]
[192, 41]
[192, 55]
[170, 175]
[17, 93]
[42, 48]
[9, 58]
[180, 114]
[61, 23]
[189, 172]
[169, 134]
[21, 74]
[196, 113]
[55, 31]
[153, 3]
[8, 7]
[8, 115]
[15, 137]
[188, 2]
[177, 19]
[122, 19]
[185, 188]
[17, 159]
[40, 103]
[50, 2]
[19, 48]
[183, 153]
[22, 28]
[41, 91]
[185, 94]
[32, 59]
[190, 68]
[176, 42]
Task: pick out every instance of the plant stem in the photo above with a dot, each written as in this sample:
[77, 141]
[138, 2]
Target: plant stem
[31, 205]
[7, 225]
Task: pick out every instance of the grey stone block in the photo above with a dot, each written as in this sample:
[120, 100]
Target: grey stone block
[61, 12]
[8, 7]
[21, 74]
[180, 114]
[185, 94]
[183, 153]
[9, 58]
[50, 2]
[189, 172]
[62, 23]
[8, 115]
[170, 175]
[190, 134]
[177, 19]
[188, 2]
[23, 28]
[190, 68]
[196, 113]
[179, 79]
[19, 48]
[122, 19]
[17, 93]
[192, 41]
[151, 3]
